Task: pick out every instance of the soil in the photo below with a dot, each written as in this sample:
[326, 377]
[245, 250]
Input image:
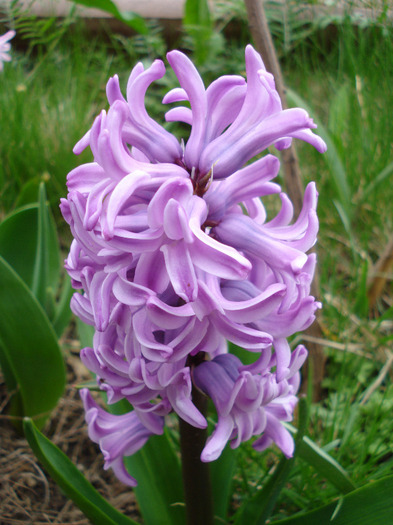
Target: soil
[27, 493]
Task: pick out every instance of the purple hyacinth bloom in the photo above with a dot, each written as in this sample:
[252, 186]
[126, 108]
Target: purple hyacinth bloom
[5, 47]
[174, 255]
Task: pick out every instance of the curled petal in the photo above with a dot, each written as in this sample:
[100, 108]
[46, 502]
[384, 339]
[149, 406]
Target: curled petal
[275, 432]
[192, 84]
[215, 444]
[180, 269]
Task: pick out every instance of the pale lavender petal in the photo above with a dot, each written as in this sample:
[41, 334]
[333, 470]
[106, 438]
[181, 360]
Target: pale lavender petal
[180, 269]
[151, 272]
[192, 84]
[179, 115]
[278, 434]
[245, 235]
[157, 143]
[178, 189]
[119, 197]
[215, 257]
[168, 316]
[215, 444]
[175, 95]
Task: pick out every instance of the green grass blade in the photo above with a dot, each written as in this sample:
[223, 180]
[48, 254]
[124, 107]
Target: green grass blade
[160, 490]
[71, 480]
[29, 345]
[361, 308]
[222, 471]
[368, 505]
[332, 157]
[258, 508]
[384, 174]
[324, 464]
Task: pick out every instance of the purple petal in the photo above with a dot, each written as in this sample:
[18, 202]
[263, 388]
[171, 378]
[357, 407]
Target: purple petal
[180, 269]
[192, 84]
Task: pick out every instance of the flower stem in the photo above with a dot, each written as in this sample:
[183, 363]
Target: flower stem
[196, 475]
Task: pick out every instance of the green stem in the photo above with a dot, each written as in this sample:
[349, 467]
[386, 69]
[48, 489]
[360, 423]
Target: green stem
[196, 475]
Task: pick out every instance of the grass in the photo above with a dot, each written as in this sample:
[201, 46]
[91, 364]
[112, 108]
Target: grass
[48, 98]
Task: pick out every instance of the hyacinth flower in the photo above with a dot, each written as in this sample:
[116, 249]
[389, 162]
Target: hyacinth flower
[174, 255]
[5, 47]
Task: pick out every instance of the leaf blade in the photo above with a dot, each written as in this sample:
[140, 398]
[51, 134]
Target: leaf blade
[47, 262]
[18, 241]
[30, 347]
[71, 480]
[258, 508]
[157, 469]
[323, 463]
[130, 18]
[368, 505]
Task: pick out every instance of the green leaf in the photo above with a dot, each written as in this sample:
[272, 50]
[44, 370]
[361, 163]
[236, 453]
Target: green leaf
[47, 262]
[85, 333]
[160, 490]
[258, 508]
[368, 505]
[198, 24]
[133, 20]
[28, 193]
[332, 157]
[197, 13]
[222, 471]
[28, 242]
[18, 241]
[29, 347]
[324, 464]
[71, 480]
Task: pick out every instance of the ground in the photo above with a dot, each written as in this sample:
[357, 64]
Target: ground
[27, 493]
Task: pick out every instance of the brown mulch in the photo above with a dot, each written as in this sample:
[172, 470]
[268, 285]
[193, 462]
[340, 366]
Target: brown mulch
[27, 493]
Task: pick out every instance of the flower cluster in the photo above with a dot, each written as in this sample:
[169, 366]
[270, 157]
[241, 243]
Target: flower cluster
[174, 256]
[5, 47]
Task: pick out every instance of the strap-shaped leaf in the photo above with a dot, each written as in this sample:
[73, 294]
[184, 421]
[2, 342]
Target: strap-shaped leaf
[222, 471]
[71, 480]
[324, 464]
[30, 354]
[28, 242]
[198, 24]
[160, 491]
[197, 13]
[18, 241]
[62, 310]
[131, 19]
[46, 274]
[368, 505]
